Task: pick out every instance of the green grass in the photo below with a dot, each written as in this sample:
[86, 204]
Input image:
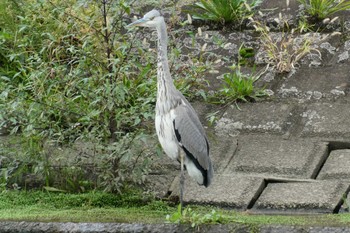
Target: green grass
[82, 214]
[134, 207]
[224, 11]
[197, 215]
[321, 9]
[85, 207]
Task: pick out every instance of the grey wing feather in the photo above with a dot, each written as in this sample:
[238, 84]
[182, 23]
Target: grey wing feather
[192, 134]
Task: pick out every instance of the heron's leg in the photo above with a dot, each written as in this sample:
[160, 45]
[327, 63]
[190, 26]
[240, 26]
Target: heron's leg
[182, 180]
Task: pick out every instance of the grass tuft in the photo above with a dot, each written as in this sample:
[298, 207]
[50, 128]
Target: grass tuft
[224, 11]
[320, 9]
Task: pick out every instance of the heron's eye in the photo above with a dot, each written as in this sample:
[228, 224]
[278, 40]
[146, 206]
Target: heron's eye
[152, 18]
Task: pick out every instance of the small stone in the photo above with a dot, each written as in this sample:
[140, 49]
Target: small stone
[268, 77]
[317, 95]
[347, 45]
[227, 46]
[337, 92]
[343, 56]
[288, 92]
[328, 47]
[269, 92]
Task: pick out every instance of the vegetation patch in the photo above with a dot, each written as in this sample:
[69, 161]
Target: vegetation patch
[135, 207]
[320, 9]
[238, 87]
[70, 73]
[224, 11]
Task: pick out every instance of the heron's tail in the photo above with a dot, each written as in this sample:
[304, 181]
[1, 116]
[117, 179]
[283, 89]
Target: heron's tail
[198, 173]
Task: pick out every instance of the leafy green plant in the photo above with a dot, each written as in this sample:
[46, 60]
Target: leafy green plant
[212, 117]
[238, 86]
[304, 25]
[320, 9]
[224, 11]
[244, 54]
[119, 159]
[195, 218]
[69, 73]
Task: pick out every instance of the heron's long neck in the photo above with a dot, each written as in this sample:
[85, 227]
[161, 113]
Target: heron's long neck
[162, 61]
[166, 88]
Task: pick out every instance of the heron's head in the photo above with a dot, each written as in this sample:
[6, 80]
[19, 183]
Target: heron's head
[151, 19]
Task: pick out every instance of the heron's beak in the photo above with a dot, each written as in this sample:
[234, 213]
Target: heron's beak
[138, 22]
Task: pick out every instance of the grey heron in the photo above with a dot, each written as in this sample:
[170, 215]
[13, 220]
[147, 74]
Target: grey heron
[178, 127]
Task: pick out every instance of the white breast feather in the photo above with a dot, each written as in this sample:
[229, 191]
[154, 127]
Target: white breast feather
[166, 134]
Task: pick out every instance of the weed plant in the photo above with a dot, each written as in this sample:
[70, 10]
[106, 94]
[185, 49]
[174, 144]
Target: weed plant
[304, 26]
[245, 54]
[284, 52]
[238, 86]
[224, 11]
[321, 9]
[195, 218]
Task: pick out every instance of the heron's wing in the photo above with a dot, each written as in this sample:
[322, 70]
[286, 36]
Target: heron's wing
[190, 134]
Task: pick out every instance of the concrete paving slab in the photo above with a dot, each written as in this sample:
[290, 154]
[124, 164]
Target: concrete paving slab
[326, 119]
[328, 82]
[319, 197]
[222, 150]
[226, 191]
[336, 166]
[273, 156]
[264, 117]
